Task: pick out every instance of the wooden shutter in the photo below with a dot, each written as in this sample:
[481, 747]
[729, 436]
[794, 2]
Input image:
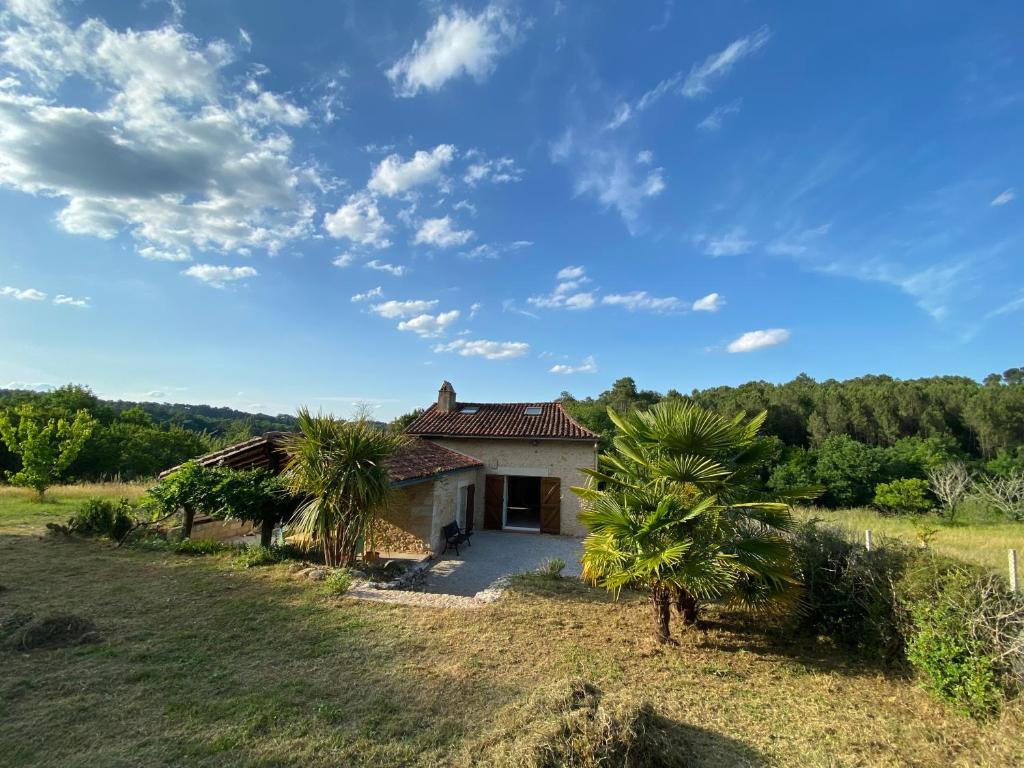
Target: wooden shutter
[494, 501]
[550, 505]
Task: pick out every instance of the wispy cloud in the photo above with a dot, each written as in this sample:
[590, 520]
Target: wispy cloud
[1005, 309]
[1004, 197]
[373, 293]
[219, 276]
[343, 260]
[490, 350]
[732, 243]
[666, 17]
[753, 340]
[396, 270]
[714, 120]
[71, 301]
[567, 294]
[457, 44]
[718, 65]
[642, 301]
[403, 309]
[589, 365]
[22, 294]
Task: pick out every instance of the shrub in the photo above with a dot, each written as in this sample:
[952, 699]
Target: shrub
[904, 496]
[103, 517]
[552, 567]
[956, 666]
[254, 556]
[195, 547]
[338, 581]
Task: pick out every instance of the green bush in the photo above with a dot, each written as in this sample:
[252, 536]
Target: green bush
[904, 496]
[255, 556]
[197, 547]
[103, 517]
[956, 665]
[338, 581]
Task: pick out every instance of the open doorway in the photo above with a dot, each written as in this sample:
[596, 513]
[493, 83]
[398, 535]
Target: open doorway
[522, 506]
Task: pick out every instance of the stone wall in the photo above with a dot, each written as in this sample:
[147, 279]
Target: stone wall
[414, 522]
[539, 458]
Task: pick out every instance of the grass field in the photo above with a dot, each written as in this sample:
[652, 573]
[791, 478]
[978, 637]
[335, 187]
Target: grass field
[202, 663]
[984, 542]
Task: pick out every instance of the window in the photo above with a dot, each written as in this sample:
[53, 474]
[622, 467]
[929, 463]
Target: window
[533, 410]
[469, 409]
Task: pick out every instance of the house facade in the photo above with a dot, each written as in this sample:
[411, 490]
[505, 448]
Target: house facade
[496, 466]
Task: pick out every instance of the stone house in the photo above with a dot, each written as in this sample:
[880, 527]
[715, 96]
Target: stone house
[499, 466]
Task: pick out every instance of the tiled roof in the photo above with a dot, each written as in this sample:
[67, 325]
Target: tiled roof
[508, 420]
[422, 458]
[416, 460]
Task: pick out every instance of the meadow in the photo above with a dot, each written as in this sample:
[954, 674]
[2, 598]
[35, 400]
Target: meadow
[201, 662]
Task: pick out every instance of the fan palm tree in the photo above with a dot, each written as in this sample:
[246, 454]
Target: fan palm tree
[675, 508]
[338, 468]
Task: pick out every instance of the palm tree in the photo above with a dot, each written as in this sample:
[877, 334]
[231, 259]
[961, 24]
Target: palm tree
[675, 509]
[338, 467]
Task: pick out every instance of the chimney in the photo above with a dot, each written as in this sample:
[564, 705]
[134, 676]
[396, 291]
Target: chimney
[446, 398]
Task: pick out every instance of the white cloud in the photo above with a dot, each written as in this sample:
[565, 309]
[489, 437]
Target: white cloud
[161, 254]
[798, 243]
[491, 350]
[343, 259]
[219, 276]
[571, 273]
[359, 220]
[623, 114]
[714, 120]
[457, 44]
[475, 307]
[615, 177]
[752, 340]
[732, 243]
[641, 300]
[710, 303]
[427, 326]
[439, 232]
[580, 301]
[393, 176]
[403, 309]
[373, 293]
[502, 170]
[1004, 197]
[495, 250]
[395, 270]
[718, 65]
[71, 301]
[465, 205]
[170, 151]
[589, 365]
[22, 294]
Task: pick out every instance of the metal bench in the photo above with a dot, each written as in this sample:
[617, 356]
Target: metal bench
[453, 536]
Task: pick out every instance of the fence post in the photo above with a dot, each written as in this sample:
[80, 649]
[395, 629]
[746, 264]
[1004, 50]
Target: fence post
[867, 540]
[1013, 570]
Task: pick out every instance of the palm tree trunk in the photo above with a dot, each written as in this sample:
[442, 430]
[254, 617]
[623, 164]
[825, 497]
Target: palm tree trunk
[686, 605]
[662, 613]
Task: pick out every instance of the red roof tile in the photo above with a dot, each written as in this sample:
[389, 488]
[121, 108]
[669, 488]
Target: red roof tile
[503, 420]
[418, 459]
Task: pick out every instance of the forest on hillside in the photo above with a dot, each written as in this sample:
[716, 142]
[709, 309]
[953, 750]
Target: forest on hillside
[851, 435]
[133, 440]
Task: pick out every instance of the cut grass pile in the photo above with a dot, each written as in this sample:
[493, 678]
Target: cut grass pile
[203, 662]
[984, 543]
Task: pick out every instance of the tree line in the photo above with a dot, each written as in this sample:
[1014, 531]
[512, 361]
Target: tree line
[850, 436]
[122, 439]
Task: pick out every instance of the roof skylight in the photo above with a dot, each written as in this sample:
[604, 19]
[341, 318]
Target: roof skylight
[469, 409]
[533, 410]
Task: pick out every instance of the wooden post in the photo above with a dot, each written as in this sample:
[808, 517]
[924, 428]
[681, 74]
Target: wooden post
[1013, 570]
[867, 540]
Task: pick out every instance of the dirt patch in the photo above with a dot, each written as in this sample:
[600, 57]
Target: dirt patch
[572, 724]
[25, 633]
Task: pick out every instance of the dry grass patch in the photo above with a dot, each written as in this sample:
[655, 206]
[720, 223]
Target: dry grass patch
[205, 663]
[985, 544]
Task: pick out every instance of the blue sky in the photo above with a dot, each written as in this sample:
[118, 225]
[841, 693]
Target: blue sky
[267, 205]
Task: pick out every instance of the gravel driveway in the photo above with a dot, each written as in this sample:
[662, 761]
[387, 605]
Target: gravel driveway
[495, 554]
